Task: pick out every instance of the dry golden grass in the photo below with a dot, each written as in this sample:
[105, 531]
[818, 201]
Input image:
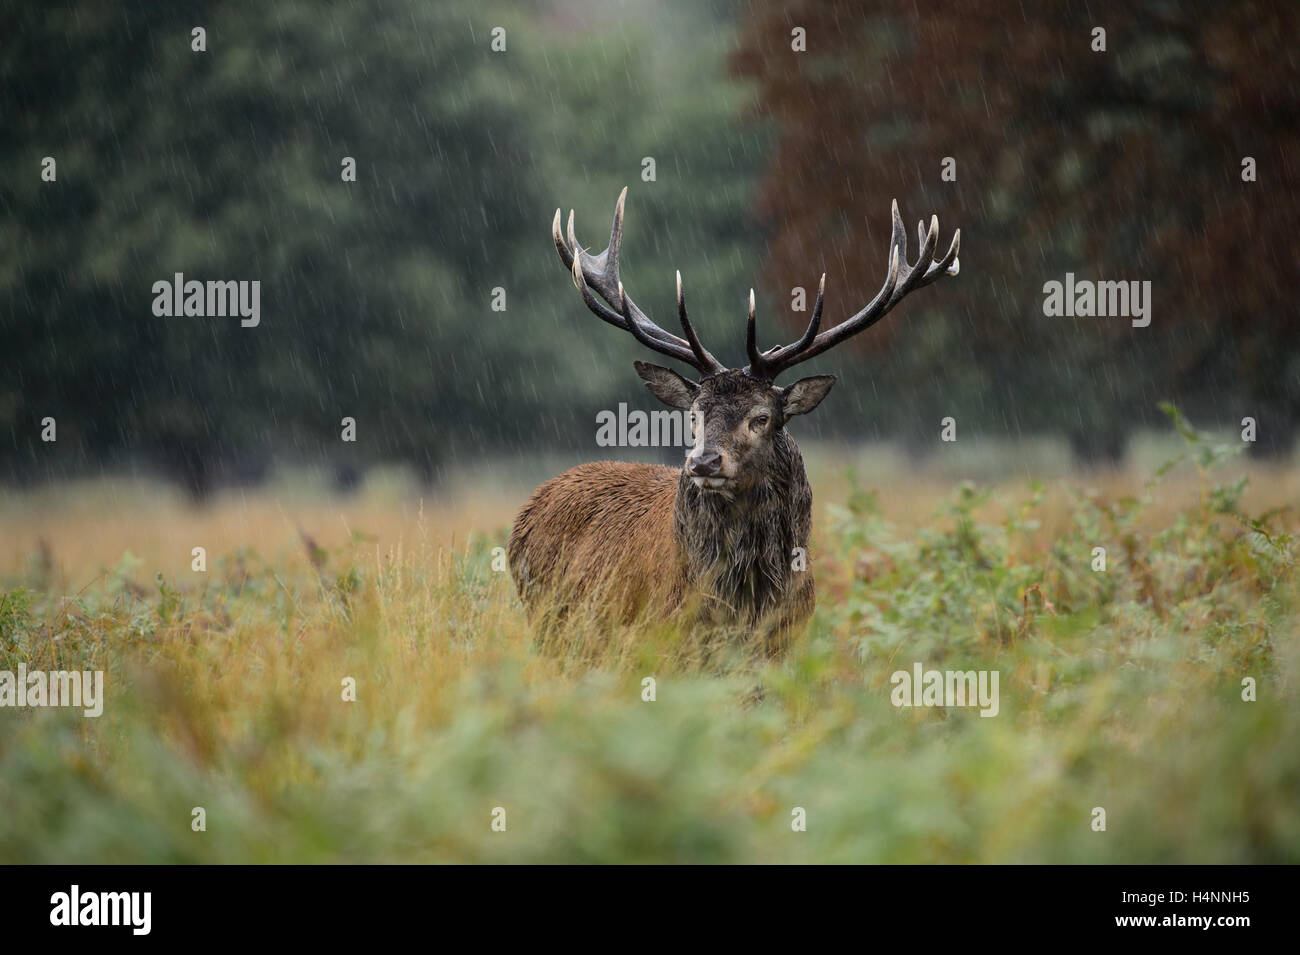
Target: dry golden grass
[83, 527]
[1120, 689]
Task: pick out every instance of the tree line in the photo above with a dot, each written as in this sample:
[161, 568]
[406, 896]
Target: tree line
[388, 172]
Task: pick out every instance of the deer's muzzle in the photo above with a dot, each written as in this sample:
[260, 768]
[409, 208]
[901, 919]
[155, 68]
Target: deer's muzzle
[704, 464]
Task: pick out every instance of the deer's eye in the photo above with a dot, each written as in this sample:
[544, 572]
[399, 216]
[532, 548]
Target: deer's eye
[758, 422]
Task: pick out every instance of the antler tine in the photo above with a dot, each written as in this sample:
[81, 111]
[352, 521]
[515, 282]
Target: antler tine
[814, 323]
[772, 357]
[637, 332]
[615, 247]
[599, 308]
[601, 274]
[704, 359]
[899, 281]
[624, 319]
[910, 275]
[601, 271]
[898, 239]
[756, 364]
[925, 258]
[562, 247]
[948, 265]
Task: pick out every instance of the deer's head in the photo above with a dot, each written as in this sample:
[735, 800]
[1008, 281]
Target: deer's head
[735, 420]
[738, 415]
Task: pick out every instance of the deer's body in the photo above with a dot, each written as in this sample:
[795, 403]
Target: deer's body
[601, 534]
[723, 541]
[628, 540]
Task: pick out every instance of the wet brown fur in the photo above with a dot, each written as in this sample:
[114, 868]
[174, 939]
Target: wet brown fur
[641, 540]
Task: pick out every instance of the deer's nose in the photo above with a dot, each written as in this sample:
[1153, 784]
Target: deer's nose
[704, 464]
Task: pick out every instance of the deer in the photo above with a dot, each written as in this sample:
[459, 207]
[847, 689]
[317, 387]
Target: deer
[722, 541]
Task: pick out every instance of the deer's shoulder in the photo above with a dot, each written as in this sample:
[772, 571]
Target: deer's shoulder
[616, 486]
[629, 476]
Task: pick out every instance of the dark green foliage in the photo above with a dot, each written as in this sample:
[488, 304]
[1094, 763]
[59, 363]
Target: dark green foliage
[376, 294]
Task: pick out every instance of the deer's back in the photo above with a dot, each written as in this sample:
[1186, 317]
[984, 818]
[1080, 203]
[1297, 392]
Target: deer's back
[600, 533]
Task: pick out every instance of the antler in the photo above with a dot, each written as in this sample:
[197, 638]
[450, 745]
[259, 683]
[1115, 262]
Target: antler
[900, 279]
[600, 272]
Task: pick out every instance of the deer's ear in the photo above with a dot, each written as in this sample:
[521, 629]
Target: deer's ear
[807, 393]
[668, 386]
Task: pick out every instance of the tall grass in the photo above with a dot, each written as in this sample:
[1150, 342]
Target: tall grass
[1120, 689]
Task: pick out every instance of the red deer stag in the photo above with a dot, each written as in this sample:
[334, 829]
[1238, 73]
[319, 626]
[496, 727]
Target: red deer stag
[719, 540]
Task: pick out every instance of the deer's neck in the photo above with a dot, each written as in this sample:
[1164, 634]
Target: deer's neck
[740, 551]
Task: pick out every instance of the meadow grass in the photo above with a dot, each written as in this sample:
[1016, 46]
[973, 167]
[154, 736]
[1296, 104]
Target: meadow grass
[1119, 689]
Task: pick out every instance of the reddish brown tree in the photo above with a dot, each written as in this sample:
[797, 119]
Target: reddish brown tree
[1125, 163]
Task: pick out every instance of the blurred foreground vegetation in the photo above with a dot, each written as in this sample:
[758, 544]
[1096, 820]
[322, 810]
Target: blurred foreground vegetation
[1120, 689]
